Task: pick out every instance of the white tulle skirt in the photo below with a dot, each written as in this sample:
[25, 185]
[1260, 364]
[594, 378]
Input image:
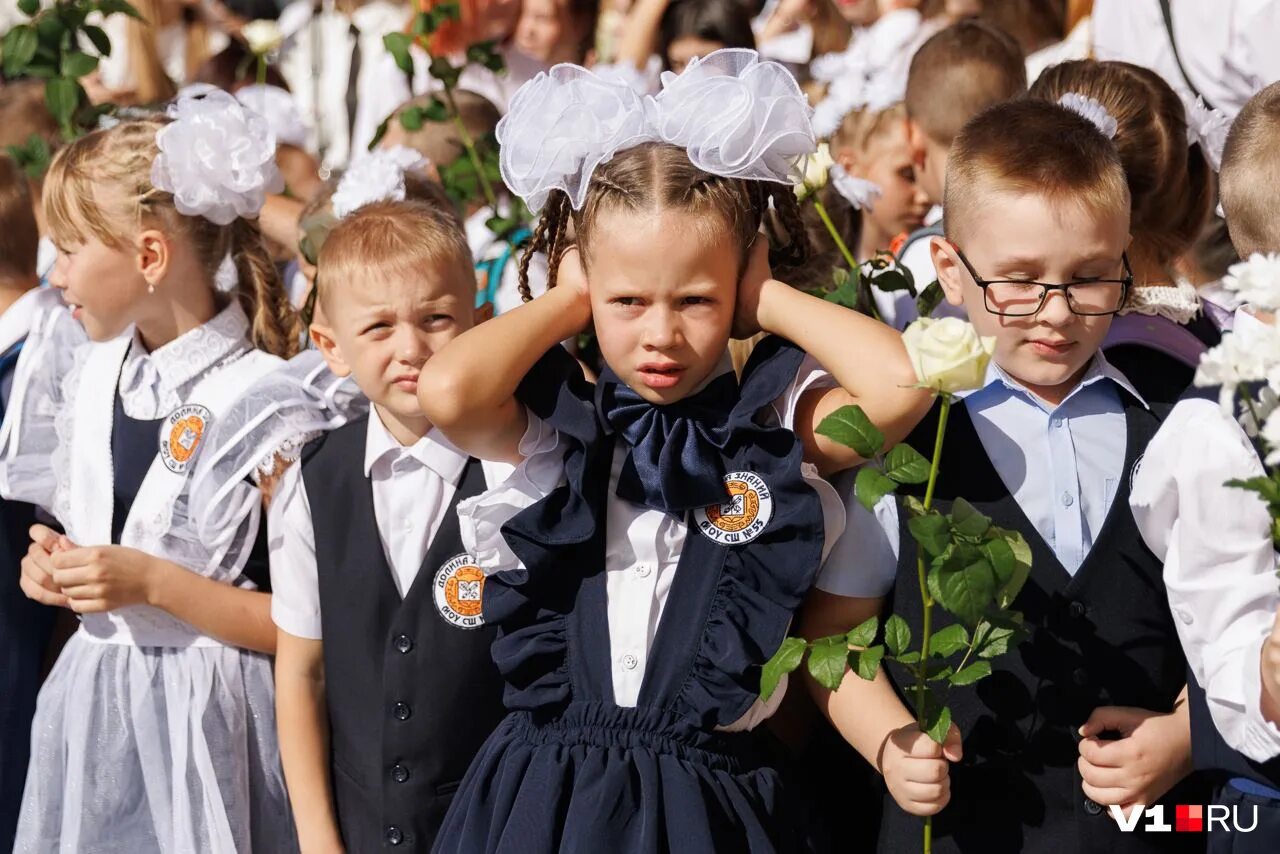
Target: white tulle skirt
[137, 750]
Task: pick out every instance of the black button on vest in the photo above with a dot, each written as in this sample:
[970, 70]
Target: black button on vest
[411, 696]
[1101, 637]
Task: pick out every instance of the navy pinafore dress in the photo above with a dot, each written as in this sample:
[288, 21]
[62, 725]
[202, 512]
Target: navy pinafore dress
[570, 770]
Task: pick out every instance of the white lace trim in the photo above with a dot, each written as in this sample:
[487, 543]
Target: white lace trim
[1179, 302]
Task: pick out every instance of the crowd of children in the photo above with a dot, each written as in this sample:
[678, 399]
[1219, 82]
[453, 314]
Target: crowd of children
[347, 504]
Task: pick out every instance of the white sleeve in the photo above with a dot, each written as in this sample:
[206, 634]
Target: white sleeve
[291, 546]
[1219, 562]
[481, 518]
[864, 561]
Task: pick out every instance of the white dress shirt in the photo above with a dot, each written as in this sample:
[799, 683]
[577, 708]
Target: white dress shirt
[413, 488]
[642, 545]
[1219, 560]
[1063, 465]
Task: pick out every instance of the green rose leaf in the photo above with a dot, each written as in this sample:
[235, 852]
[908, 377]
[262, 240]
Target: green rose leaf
[932, 532]
[443, 70]
[62, 96]
[993, 640]
[949, 640]
[424, 24]
[930, 298]
[999, 554]
[76, 64]
[112, 7]
[967, 521]
[379, 133]
[963, 587]
[398, 45]
[871, 485]
[827, 657]
[866, 662]
[19, 48]
[483, 53]
[912, 657]
[938, 723]
[29, 7]
[451, 11]
[411, 118]
[897, 635]
[972, 673]
[1011, 586]
[906, 465]
[98, 38]
[864, 633]
[436, 111]
[915, 506]
[50, 28]
[851, 427]
[785, 660]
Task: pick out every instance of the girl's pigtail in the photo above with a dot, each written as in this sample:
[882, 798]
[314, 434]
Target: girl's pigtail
[274, 324]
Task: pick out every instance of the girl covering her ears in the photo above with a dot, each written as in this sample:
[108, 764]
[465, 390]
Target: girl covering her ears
[155, 731]
[644, 559]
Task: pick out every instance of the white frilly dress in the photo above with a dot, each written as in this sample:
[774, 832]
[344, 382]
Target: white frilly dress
[148, 735]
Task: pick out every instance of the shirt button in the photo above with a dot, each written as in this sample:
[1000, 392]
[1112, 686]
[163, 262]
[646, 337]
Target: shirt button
[1067, 499]
[395, 835]
[399, 773]
[1057, 422]
[643, 570]
[1185, 616]
[1092, 807]
[408, 524]
[404, 643]
[401, 711]
[630, 661]
[1080, 676]
[1077, 609]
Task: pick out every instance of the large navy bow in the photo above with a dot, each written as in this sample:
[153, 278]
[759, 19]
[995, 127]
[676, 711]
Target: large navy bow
[674, 462]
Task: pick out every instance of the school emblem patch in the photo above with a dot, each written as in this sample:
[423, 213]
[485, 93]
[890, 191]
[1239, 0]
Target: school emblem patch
[180, 435]
[458, 589]
[741, 518]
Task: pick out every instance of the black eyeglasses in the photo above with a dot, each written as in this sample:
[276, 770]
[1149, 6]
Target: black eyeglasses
[1021, 298]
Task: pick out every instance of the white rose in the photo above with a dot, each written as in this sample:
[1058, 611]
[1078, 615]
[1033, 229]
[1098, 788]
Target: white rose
[1248, 354]
[948, 354]
[815, 172]
[1256, 281]
[263, 36]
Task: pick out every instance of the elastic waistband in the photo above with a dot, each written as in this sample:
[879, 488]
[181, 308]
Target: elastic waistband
[1253, 787]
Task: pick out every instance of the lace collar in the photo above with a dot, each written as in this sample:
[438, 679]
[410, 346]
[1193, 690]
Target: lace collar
[1179, 302]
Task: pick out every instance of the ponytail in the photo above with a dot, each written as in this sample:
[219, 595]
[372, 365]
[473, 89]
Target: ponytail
[273, 323]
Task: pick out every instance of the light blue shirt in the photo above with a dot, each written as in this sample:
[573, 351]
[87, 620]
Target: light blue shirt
[1063, 465]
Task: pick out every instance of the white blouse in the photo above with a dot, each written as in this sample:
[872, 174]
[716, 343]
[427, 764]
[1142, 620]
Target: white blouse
[642, 545]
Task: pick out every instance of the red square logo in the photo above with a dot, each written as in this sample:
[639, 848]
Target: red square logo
[1189, 818]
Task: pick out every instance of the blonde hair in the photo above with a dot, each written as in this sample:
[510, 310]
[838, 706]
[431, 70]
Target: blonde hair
[118, 161]
[862, 127]
[1170, 185]
[1251, 173]
[1032, 147]
[19, 238]
[391, 238]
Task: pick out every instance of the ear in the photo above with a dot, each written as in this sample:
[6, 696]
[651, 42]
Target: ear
[322, 337]
[847, 158]
[951, 273]
[154, 255]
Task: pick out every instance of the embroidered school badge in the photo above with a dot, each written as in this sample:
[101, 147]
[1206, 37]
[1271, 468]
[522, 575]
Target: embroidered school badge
[458, 588]
[180, 435]
[743, 517]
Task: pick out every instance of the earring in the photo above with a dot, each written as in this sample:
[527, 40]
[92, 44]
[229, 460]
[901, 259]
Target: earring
[151, 288]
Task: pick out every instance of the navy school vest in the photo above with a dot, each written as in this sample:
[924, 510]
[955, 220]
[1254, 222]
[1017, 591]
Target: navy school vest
[412, 693]
[1103, 637]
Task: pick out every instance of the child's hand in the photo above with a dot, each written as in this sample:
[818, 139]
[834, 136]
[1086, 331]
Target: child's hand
[915, 769]
[746, 320]
[571, 276]
[37, 568]
[104, 578]
[1152, 754]
[1270, 664]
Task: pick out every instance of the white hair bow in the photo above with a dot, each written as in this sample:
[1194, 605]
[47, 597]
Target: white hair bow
[375, 176]
[736, 115]
[1092, 110]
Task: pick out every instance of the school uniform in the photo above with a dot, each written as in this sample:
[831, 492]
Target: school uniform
[1158, 339]
[366, 556]
[644, 562]
[1100, 629]
[152, 735]
[25, 625]
[1219, 573]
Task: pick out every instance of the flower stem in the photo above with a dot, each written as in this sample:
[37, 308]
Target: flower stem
[925, 598]
[470, 145]
[262, 69]
[854, 269]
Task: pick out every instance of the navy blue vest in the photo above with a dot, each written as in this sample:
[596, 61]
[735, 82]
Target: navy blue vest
[1102, 637]
[411, 697]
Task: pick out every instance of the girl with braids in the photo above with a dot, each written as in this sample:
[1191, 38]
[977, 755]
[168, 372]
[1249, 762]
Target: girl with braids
[644, 559]
[155, 731]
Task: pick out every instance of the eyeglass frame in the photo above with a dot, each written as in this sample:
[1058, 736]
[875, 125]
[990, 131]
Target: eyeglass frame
[1125, 283]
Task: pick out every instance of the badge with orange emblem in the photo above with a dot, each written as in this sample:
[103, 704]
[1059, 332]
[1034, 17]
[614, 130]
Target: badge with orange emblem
[180, 435]
[742, 517]
[458, 588]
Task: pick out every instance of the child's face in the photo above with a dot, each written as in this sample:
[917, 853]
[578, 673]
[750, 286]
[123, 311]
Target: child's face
[381, 332]
[682, 51]
[662, 298]
[1031, 237]
[930, 159]
[887, 162]
[102, 285]
[546, 32]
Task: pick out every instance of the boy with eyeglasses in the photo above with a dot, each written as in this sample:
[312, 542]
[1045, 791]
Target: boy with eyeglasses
[1087, 712]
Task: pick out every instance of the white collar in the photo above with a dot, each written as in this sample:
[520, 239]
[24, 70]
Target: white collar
[1179, 302]
[1244, 318]
[1099, 369]
[195, 351]
[15, 323]
[433, 450]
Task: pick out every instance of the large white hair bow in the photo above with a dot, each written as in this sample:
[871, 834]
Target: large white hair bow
[736, 115]
[217, 157]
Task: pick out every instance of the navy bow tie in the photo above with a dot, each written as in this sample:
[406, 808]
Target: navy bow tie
[674, 461]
